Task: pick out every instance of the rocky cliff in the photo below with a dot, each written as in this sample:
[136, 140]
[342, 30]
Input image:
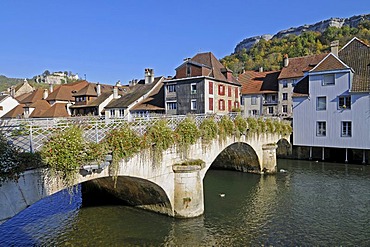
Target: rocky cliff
[317, 27]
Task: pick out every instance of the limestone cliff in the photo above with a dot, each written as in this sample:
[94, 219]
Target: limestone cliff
[317, 27]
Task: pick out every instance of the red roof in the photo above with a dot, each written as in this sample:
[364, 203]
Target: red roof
[298, 65]
[254, 82]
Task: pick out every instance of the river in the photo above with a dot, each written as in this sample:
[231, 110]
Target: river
[311, 204]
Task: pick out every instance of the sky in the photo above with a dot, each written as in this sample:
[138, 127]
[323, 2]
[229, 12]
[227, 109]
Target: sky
[111, 40]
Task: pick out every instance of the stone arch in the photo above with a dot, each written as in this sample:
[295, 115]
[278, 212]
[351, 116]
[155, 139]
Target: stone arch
[134, 191]
[239, 156]
[284, 148]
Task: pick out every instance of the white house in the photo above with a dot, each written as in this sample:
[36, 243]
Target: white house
[331, 104]
[7, 103]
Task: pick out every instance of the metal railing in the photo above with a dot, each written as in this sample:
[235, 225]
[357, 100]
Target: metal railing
[29, 135]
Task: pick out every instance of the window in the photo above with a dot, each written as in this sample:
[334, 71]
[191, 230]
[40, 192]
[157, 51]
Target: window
[255, 112]
[221, 105]
[1, 108]
[193, 88]
[171, 88]
[229, 105]
[171, 105]
[285, 108]
[285, 96]
[188, 70]
[285, 83]
[112, 113]
[193, 105]
[229, 91]
[210, 101]
[121, 112]
[321, 129]
[271, 110]
[210, 87]
[254, 100]
[236, 93]
[346, 129]
[328, 80]
[344, 102]
[321, 103]
[273, 98]
[221, 90]
[236, 105]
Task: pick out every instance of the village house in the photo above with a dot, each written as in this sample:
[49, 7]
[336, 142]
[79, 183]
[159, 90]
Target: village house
[142, 98]
[46, 103]
[259, 93]
[331, 104]
[91, 99]
[292, 71]
[202, 85]
[7, 103]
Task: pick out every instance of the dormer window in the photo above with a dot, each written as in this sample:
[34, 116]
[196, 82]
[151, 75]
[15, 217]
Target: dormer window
[328, 79]
[188, 70]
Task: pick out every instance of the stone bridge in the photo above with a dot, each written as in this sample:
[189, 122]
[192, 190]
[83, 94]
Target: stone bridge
[170, 186]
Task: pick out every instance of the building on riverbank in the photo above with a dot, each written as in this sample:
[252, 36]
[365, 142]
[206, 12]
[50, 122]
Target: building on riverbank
[331, 104]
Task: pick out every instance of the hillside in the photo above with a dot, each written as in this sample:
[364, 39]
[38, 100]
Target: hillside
[6, 82]
[267, 51]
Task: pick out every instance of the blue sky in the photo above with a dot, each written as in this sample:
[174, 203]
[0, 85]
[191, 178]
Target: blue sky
[111, 40]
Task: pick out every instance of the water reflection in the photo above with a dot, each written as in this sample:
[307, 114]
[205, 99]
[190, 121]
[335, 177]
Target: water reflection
[312, 204]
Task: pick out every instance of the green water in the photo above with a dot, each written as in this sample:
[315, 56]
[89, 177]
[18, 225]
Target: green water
[312, 204]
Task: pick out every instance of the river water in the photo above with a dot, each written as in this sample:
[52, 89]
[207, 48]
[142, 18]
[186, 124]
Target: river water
[311, 204]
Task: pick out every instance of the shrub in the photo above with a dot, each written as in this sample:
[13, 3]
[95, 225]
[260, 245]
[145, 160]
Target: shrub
[225, 127]
[64, 153]
[187, 133]
[158, 138]
[9, 163]
[240, 125]
[208, 130]
[123, 143]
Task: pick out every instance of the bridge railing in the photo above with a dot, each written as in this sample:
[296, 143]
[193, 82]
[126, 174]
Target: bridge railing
[29, 135]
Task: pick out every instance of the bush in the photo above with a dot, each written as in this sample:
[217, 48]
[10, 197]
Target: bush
[159, 137]
[225, 127]
[65, 152]
[208, 130]
[9, 163]
[123, 143]
[187, 133]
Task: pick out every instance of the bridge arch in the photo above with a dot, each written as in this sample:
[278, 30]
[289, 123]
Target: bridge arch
[239, 156]
[133, 191]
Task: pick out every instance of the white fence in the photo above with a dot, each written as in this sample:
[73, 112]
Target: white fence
[30, 134]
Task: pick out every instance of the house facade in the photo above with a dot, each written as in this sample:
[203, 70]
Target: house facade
[202, 85]
[293, 70]
[259, 93]
[141, 98]
[331, 105]
[7, 103]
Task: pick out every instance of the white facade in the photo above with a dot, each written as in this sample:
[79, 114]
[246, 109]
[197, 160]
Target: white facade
[332, 116]
[252, 104]
[7, 103]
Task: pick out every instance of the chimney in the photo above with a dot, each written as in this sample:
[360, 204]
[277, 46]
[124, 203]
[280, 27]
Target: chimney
[98, 89]
[115, 92]
[51, 87]
[286, 60]
[118, 83]
[12, 92]
[45, 94]
[334, 46]
[149, 76]
[260, 69]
